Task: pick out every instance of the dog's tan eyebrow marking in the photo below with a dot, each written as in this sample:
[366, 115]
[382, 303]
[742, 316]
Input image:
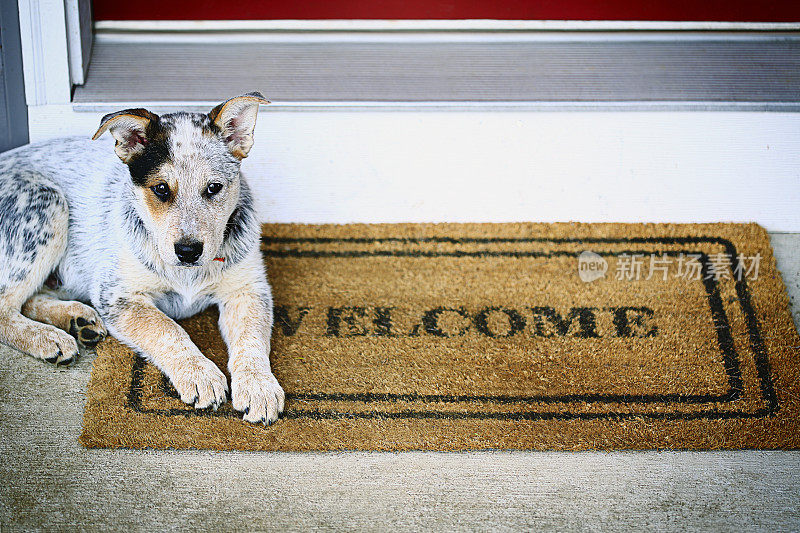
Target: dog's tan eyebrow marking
[156, 179]
[162, 174]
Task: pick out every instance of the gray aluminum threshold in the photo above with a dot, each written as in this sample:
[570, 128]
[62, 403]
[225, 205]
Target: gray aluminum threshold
[699, 74]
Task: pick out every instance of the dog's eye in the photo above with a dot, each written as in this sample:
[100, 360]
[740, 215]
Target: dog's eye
[161, 191]
[213, 188]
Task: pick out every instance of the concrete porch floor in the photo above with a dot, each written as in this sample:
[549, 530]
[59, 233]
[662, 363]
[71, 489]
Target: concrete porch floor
[48, 481]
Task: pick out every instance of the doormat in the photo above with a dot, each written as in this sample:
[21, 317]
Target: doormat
[495, 336]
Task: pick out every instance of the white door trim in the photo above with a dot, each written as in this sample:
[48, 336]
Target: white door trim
[45, 61]
[434, 25]
[79, 37]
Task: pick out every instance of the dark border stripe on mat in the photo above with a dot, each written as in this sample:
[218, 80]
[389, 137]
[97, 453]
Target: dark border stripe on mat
[725, 340]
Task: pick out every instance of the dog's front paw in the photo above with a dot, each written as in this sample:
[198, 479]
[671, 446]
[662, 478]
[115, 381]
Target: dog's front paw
[258, 395]
[54, 346]
[87, 330]
[200, 383]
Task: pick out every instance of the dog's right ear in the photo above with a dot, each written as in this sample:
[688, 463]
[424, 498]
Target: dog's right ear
[129, 128]
[236, 119]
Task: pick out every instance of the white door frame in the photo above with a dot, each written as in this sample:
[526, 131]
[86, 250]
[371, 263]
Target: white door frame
[56, 44]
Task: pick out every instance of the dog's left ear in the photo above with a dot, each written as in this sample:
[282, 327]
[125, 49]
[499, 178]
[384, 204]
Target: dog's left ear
[236, 118]
[130, 129]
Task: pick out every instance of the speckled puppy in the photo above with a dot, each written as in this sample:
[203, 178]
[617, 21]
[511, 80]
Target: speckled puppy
[163, 234]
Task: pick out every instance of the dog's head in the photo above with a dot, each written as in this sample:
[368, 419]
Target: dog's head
[185, 173]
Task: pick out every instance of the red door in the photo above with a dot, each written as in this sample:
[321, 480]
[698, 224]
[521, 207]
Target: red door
[653, 10]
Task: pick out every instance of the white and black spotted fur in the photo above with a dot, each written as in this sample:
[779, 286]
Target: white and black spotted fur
[102, 226]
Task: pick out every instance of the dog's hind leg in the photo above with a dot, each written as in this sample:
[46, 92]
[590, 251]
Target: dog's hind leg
[34, 220]
[76, 318]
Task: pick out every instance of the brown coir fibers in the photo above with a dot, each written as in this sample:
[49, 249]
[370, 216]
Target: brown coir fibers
[494, 336]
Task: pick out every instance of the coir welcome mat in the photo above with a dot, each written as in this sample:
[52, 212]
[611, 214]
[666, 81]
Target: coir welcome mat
[495, 336]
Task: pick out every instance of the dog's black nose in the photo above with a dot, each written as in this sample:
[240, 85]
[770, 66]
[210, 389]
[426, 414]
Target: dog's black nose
[188, 251]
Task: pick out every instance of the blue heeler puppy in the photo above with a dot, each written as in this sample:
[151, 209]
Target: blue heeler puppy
[160, 231]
